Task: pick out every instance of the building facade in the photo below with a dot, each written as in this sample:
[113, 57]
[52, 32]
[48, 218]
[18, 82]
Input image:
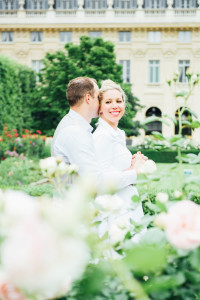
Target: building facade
[153, 39]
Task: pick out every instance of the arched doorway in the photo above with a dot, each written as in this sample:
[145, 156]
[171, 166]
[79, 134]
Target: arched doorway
[186, 116]
[155, 125]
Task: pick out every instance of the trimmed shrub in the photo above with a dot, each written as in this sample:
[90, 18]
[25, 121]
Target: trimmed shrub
[163, 156]
[17, 84]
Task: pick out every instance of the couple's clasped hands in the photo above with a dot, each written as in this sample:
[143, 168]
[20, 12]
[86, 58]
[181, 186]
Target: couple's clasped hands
[138, 160]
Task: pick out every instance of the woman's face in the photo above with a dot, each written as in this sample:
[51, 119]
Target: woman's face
[112, 107]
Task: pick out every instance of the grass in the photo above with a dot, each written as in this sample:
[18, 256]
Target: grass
[171, 179]
[18, 174]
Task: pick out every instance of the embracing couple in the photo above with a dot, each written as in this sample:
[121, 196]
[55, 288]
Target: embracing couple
[102, 154]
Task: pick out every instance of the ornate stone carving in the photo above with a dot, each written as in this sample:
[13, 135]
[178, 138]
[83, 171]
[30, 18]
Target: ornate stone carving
[21, 53]
[51, 3]
[80, 4]
[168, 53]
[21, 4]
[140, 3]
[139, 53]
[169, 3]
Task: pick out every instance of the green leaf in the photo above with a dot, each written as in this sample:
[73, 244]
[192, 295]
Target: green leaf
[181, 94]
[150, 120]
[171, 118]
[145, 258]
[192, 112]
[158, 135]
[136, 199]
[175, 138]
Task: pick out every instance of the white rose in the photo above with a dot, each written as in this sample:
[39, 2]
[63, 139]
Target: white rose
[48, 165]
[62, 168]
[162, 197]
[109, 202]
[18, 205]
[148, 167]
[72, 168]
[177, 194]
[161, 220]
[116, 234]
[123, 222]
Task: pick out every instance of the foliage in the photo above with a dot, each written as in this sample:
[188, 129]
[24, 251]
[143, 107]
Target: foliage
[29, 144]
[162, 156]
[94, 58]
[17, 84]
[18, 174]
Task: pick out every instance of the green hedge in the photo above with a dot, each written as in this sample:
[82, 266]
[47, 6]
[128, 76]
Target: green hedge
[164, 156]
[17, 85]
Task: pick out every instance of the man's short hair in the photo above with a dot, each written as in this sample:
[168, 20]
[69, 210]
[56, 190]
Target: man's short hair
[78, 88]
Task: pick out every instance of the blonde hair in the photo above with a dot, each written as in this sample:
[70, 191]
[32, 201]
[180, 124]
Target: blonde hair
[108, 85]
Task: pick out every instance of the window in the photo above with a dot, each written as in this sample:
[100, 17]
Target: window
[186, 116]
[66, 4]
[154, 37]
[65, 36]
[185, 3]
[125, 4]
[183, 65]
[7, 37]
[154, 71]
[36, 5]
[126, 70]
[9, 5]
[154, 4]
[124, 36]
[37, 66]
[155, 125]
[95, 4]
[36, 36]
[94, 34]
[184, 36]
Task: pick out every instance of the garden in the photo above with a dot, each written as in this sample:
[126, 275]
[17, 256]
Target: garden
[49, 246]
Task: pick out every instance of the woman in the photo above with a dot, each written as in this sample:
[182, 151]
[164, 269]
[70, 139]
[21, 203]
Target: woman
[110, 146]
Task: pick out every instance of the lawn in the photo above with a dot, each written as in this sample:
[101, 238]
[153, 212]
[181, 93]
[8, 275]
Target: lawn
[19, 174]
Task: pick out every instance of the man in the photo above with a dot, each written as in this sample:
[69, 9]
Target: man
[73, 138]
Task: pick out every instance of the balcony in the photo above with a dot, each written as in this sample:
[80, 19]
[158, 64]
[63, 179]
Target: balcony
[141, 11]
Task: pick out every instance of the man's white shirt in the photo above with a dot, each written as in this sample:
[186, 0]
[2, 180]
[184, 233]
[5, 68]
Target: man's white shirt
[73, 141]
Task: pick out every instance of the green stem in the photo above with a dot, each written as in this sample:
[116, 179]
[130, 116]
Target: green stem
[132, 285]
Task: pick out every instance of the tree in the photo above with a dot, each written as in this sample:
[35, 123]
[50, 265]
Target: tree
[17, 84]
[93, 58]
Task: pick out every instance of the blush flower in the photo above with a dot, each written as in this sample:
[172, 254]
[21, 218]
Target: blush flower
[183, 225]
[148, 167]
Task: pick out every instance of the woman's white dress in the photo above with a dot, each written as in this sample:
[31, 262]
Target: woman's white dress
[111, 151]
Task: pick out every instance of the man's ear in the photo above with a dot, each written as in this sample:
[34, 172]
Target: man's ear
[87, 98]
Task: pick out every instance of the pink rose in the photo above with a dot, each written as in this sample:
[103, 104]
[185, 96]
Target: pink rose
[9, 292]
[183, 225]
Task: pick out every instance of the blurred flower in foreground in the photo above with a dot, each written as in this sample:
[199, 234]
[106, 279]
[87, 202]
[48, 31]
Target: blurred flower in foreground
[162, 197]
[148, 167]
[183, 225]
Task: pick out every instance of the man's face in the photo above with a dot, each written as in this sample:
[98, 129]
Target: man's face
[95, 103]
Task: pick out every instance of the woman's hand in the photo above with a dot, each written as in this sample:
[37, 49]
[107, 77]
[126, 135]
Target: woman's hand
[138, 160]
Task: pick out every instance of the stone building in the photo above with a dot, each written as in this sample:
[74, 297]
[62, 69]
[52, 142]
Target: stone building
[153, 39]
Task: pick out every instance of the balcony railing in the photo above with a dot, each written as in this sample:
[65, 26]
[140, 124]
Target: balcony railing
[62, 8]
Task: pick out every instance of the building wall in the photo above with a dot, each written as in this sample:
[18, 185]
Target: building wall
[139, 51]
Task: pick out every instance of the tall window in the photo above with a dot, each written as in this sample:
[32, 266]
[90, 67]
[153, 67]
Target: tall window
[124, 36]
[155, 125]
[94, 34]
[154, 4]
[95, 4]
[7, 37]
[186, 116]
[183, 65]
[36, 36]
[154, 71]
[9, 4]
[66, 4]
[184, 36]
[125, 4]
[185, 3]
[36, 5]
[126, 70]
[37, 66]
[65, 36]
[154, 37]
